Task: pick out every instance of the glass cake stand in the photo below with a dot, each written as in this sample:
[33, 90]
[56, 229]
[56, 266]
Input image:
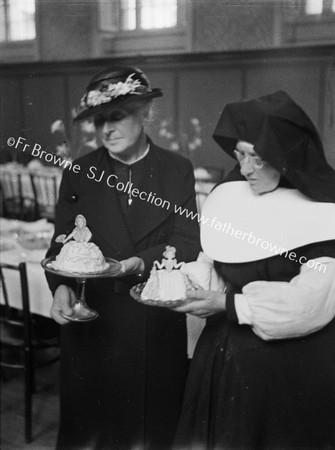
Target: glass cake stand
[81, 312]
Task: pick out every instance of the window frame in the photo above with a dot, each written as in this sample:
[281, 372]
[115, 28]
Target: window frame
[19, 50]
[8, 24]
[328, 9]
[116, 41]
[310, 29]
[110, 16]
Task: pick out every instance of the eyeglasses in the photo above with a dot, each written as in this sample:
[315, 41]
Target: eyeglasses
[255, 161]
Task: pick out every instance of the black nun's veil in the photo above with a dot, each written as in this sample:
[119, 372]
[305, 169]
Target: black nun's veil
[284, 136]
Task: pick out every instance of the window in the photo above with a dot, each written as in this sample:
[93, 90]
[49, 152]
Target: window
[312, 25]
[314, 7]
[148, 14]
[132, 27]
[17, 20]
[132, 15]
[18, 40]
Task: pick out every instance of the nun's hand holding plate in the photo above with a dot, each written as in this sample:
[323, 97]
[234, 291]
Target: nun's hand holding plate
[203, 303]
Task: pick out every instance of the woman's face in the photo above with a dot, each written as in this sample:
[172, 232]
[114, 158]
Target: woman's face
[261, 176]
[120, 131]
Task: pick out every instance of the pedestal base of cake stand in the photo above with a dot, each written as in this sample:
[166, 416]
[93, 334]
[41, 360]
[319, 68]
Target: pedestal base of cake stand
[81, 312]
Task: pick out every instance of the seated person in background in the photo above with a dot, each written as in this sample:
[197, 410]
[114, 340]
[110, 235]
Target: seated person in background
[263, 371]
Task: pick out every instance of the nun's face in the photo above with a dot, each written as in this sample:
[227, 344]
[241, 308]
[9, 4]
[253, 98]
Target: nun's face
[261, 176]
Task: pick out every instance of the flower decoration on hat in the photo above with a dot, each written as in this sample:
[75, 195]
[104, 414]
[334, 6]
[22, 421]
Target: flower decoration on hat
[110, 91]
[113, 88]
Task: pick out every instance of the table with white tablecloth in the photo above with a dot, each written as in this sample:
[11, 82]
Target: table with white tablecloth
[12, 252]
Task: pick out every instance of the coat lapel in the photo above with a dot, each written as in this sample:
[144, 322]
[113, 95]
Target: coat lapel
[103, 212]
[146, 215]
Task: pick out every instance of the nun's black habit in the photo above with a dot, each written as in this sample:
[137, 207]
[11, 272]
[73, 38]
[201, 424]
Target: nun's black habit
[248, 388]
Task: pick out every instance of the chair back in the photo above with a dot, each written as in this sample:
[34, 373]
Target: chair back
[19, 339]
[17, 195]
[17, 320]
[46, 193]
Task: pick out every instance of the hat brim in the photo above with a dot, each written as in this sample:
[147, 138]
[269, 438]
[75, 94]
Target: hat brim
[117, 103]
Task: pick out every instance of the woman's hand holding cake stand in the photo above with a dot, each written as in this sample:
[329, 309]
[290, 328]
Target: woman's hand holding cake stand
[82, 259]
[64, 300]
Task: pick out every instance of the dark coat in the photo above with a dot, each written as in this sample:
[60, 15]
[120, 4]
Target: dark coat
[122, 375]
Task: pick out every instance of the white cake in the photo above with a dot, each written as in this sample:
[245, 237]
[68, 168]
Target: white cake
[80, 257]
[167, 285]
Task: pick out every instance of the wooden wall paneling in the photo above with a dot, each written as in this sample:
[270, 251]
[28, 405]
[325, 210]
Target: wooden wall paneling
[301, 81]
[76, 84]
[311, 85]
[195, 85]
[11, 122]
[165, 108]
[76, 78]
[43, 103]
[329, 112]
[203, 94]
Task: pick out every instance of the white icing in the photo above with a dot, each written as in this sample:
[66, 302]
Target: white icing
[165, 285]
[81, 257]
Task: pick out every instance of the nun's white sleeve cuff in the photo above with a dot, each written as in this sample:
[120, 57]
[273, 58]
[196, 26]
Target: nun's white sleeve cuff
[282, 310]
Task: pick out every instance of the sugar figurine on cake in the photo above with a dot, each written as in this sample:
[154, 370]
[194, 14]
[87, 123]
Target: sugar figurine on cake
[166, 282]
[79, 255]
[81, 233]
[170, 280]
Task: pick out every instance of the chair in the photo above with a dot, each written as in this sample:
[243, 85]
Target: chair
[17, 196]
[21, 347]
[45, 188]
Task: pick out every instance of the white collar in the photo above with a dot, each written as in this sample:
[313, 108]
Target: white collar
[138, 159]
[279, 220]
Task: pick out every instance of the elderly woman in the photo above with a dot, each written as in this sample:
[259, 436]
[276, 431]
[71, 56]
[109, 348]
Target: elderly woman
[123, 374]
[263, 373]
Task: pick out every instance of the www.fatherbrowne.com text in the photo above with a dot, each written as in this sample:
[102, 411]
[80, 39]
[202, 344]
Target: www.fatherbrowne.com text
[151, 197]
[249, 237]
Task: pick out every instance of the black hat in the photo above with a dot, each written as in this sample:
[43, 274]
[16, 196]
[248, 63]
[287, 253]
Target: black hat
[284, 136]
[113, 88]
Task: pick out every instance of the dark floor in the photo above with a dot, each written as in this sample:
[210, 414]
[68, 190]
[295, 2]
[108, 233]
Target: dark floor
[45, 410]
